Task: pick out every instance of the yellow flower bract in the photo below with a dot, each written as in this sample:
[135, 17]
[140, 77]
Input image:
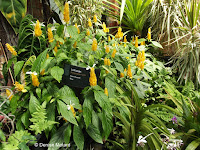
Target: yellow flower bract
[66, 13]
[106, 91]
[11, 49]
[37, 30]
[50, 35]
[19, 87]
[140, 60]
[95, 18]
[93, 78]
[129, 73]
[89, 22]
[35, 80]
[94, 44]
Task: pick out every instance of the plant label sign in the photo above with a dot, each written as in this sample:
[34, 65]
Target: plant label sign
[75, 76]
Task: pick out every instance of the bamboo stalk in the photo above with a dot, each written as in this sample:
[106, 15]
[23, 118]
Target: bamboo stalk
[1, 47]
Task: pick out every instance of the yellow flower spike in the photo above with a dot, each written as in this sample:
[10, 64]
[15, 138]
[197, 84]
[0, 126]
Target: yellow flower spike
[66, 13]
[104, 27]
[93, 78]
[149, 34]
[50, 35]
[109, 39]
[55, 49]
[121, 75]
[94, 44]
[136, 41]
[89, 22]
[77, 28]
[143, 43]
[19, 87]
[113, 38]
[133, 40]
[125, 40]
[47, 56]
[74, 45]
[106, 91]
[107, 30]
[125, 70]
[9, 94]
[107, 49]
[35, 81]
[105, 61]
[129, 73]
[42, 72]
[95, 18]
[11, 49]
[88, 32]
[113, 53]
[37, 30]
[114, 44]
[108, 62]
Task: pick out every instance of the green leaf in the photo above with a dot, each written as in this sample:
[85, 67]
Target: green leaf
[33, 104]
[67, 114]
[13, 103]
[60, 30]
[13, 11]
[61, 57]
[38, 92]
[87, 109]
[2, 136]
[23, 146]
[156, 44]
[58, 138]
[193, 145]
[17, 67]
[73, 32]
[68, 96]
[78, 137]
[119, 67]
[25, 119]
[68, 132]
[110, 84]
[94, 133]
[37, 63]
[57, 73]
[107, 123]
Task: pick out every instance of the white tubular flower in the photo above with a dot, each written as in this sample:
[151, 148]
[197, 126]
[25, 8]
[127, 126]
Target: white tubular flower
[69, 106]
[141, 141]
[88, 67]
[171, 131]
[29, 72]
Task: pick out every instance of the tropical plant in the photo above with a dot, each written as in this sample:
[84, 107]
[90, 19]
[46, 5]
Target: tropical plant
[133, 13]
[14, 11]
[82, 10]
[187, 125]
[187, 57]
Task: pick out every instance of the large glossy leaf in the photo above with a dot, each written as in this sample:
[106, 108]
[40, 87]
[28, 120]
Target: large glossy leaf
[17, 67]
[33, 104]
[78, 137]
[57, 73]
[107, 123]
[67, 114]
[13, 11]
[94, 133]
[87, 109]
[68, 96]
[37, 63]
